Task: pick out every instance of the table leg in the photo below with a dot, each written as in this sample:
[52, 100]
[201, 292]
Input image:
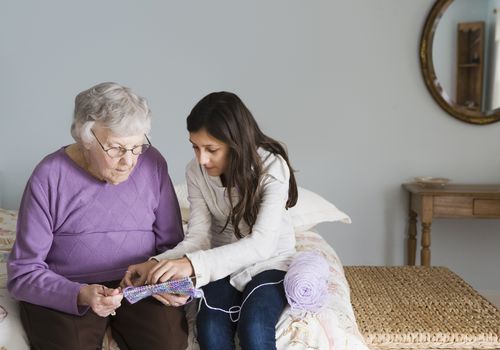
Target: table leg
[412, 237]
[425, 253]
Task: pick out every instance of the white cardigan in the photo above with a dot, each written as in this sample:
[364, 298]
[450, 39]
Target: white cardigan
[215, 254]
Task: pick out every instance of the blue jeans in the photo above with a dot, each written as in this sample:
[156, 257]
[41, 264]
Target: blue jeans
[258, 317]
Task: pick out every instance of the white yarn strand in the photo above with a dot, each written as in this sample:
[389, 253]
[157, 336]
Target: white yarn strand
[236, 309]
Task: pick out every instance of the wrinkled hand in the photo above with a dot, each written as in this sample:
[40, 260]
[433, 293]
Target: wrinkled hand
[102, 300]
[169, 269]
[137, 274]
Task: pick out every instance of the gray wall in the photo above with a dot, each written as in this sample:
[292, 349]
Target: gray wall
[338, 81]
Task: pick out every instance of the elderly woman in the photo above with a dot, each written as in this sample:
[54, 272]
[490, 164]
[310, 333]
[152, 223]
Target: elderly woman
[89, 210]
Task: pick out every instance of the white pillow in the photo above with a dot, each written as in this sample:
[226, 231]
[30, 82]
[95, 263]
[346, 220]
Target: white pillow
[182, 196]
[310, 210]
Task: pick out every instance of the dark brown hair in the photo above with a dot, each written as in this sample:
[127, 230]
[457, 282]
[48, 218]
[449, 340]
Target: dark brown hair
[224, 116]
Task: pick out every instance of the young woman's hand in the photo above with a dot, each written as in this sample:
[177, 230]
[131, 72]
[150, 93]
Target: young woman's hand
[171, 299]
[102, 300]
[166, 270]
[137, 274]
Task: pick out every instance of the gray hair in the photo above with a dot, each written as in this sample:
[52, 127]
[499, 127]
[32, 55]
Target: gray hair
[113, 106]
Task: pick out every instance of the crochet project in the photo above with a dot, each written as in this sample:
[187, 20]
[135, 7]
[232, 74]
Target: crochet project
[182, 286]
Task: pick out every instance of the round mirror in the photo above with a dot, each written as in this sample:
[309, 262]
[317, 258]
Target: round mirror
[460, 58]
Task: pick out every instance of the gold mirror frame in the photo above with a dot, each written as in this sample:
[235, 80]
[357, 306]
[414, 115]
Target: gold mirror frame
[430, 78]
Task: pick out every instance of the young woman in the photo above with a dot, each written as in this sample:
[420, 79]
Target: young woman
[240, 234]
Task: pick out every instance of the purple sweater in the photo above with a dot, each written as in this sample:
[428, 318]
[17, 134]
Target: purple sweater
[74, 229]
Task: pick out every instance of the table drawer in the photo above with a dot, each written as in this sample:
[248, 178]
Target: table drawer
[453, 206]
[486, 207]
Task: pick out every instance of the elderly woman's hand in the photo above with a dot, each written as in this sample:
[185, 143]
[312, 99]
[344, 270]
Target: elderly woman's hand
[137, 274]
[102, 300]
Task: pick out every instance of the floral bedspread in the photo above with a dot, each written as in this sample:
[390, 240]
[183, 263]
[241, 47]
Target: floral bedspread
[334, 328]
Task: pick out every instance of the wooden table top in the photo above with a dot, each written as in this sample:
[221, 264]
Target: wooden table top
[450, 189]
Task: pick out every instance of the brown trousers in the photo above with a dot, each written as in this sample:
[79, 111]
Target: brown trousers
[148, 324]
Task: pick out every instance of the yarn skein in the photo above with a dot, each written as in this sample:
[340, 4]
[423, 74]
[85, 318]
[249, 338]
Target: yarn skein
[306, 282]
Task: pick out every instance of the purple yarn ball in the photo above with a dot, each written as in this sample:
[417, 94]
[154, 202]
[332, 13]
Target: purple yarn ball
[306, 282]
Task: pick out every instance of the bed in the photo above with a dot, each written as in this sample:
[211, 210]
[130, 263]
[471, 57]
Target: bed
[334, 327]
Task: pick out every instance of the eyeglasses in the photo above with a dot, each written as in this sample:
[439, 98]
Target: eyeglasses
[118, 152]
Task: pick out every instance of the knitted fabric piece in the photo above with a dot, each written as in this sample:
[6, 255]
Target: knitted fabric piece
[182, 286]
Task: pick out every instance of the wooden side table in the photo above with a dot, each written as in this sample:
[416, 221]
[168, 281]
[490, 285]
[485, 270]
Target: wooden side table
[450, 201]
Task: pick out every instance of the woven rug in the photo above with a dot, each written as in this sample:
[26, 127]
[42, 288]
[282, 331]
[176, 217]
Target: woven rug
[414, 307]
